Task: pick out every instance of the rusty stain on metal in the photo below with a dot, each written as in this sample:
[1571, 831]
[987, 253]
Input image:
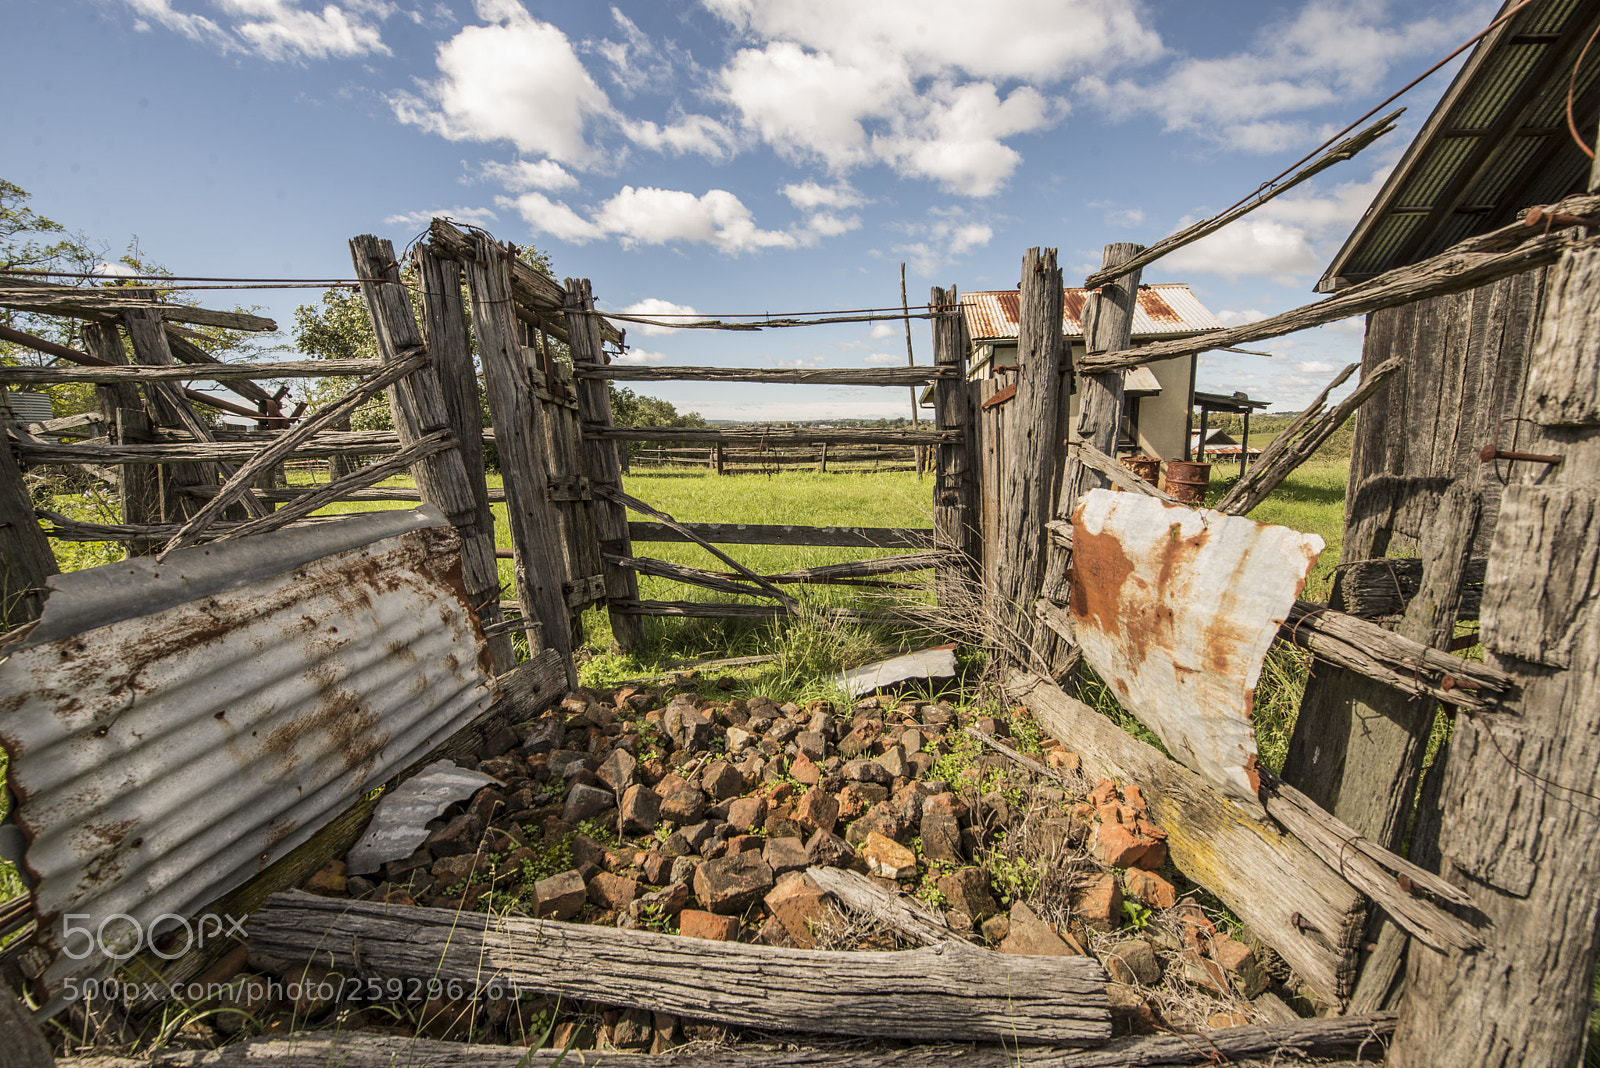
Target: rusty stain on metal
[1164, 310]
[1175, 609]
[175, 728]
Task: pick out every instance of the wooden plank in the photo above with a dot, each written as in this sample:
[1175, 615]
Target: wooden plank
[122, 409]
[211, 372]
[506, 378]
[1299, 447]
[818, 376]
[1472, 263]
[1116, 474]
[1247, 1047]
[947, 991]
[908, 916]
[380, 493]
[775, 534]
[46, 299]
[1272, 882]
[954, 488]
[692, 576]
[772, 436]
[151, 349]
[603, 465]
[1030, 455]
[444, 328]
[286, 443]
[723, 610]
[882, 565]
[621, 498]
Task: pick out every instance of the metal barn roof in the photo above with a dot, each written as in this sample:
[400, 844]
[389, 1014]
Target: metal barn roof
[1496, 144]
[1165, 310]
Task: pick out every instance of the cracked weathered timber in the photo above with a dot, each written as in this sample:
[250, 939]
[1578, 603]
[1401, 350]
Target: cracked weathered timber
[1239, 1046]
[816, 376]
[768, 436]
[783, 534]
[949, 991]
[909, 917]
[230, 373]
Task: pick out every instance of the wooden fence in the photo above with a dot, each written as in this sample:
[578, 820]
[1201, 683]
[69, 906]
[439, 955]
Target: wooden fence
[822, 458]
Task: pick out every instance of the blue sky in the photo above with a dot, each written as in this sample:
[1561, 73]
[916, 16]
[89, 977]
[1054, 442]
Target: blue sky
[730, 156]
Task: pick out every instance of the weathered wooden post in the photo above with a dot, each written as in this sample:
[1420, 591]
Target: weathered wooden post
[716, 457]
[444, 327]
[128, 424]
[1521, 824]
[955, 578]
[1107, 327]
[1032, 451]
[26, 558]
[535, 549]
[611, 518]
[822, 458]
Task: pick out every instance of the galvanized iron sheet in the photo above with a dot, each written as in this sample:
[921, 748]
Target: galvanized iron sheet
[166, 757]
[1175, 609]
[1165, 310]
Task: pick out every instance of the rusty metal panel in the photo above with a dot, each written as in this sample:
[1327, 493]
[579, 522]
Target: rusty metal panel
[1165, 310]
[1175, 609]
[176, 727]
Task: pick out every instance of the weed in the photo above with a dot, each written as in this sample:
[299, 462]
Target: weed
[1135, 917]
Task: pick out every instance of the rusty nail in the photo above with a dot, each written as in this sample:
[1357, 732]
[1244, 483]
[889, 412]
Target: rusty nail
[1490, 454]
[1298, 922]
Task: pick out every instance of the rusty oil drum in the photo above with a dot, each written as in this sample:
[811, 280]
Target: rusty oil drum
[1146, 467]
[1188, 481]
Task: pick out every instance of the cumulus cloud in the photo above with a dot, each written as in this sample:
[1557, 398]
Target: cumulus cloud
[1228, 317]
[514, 79]
[1328, 51]
[277, 30]
[658, 308]
[1115, 215]
[916, 85]
[650, 216]
[521, 175]
[882, 359]
[883, 330]
[698, 134]
[811, 196]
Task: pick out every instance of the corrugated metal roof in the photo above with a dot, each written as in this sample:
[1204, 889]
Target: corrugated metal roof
[1496, 144]
[176, 727]
[1165, 310]
[1175, 608]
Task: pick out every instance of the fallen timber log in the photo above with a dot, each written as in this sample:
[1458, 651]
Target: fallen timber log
[774, 534]
[1271, 881]
[1468, 265]
[1360, 1035]
[46, 298]
[949, 991]
[821, 376]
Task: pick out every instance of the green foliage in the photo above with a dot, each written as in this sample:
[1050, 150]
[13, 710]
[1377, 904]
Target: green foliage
[1135, 917]
[337, 328]
[1011, 878]
[601, 832]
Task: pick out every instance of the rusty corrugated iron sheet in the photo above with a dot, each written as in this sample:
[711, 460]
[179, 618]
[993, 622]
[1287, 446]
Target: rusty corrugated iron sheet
[1175, 609]
[1165, 310]
[176, 727]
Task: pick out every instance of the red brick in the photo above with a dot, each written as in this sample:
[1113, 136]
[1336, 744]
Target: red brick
[1151, 889]
[1118, 847]
[1099, 903]
[692, 923]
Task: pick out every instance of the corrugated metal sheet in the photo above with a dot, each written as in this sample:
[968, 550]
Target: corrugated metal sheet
[1175, 609]
[1165, 310]
[1513, 86]
[176, 727]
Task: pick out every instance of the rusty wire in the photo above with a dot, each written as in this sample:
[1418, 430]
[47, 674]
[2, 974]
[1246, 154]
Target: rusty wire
[1572, 86]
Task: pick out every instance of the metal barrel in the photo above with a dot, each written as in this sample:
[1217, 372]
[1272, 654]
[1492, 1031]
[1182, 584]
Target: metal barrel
[1146, 467]
[1188, 481]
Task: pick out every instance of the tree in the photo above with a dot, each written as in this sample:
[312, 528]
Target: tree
[33, 242]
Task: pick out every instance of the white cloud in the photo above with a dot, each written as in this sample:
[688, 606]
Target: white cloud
[639, 356]
[1118, 216]
[553, 218]
[655, 307]
[278, 29]
[882, 359]
[1329, 51]
[883, 330]
[946, 238]
[698, 134]
[1315, 367]
[1239, 318]
[916, 84]
[521, 175]
[638, 64]
[799, 361]
[104, 269]
[810, 196]
[1290, 239]
[649, 216]
[420, 219]
[514, 79]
